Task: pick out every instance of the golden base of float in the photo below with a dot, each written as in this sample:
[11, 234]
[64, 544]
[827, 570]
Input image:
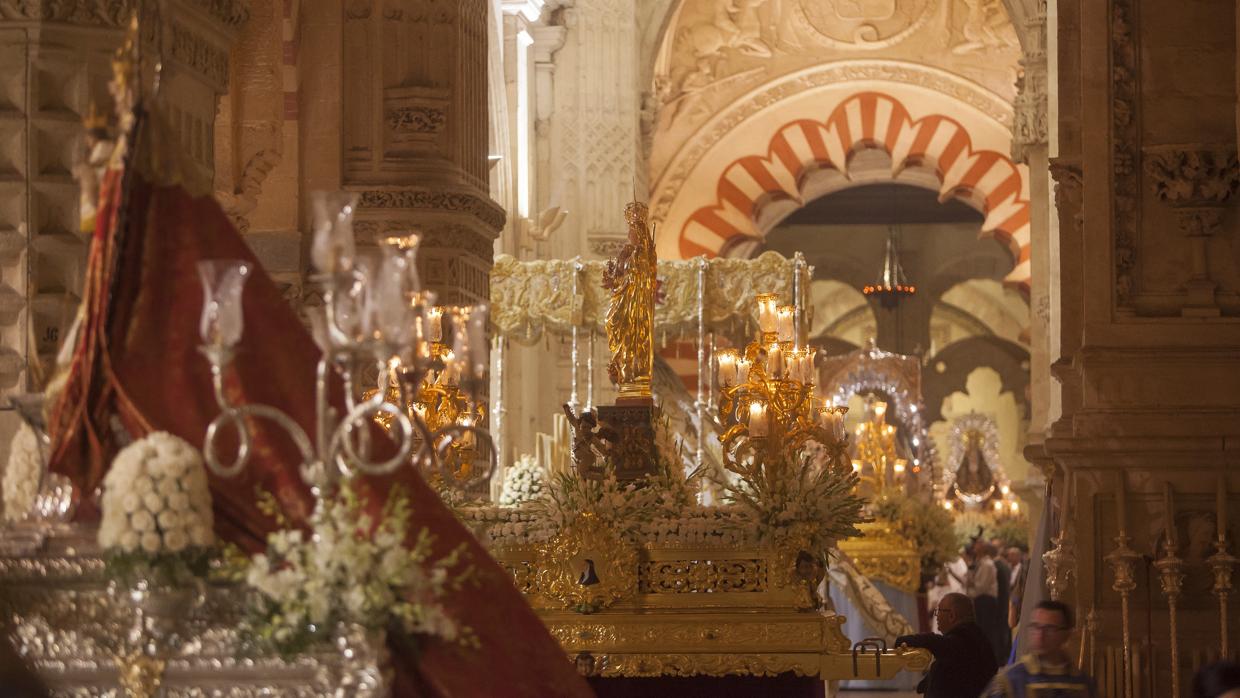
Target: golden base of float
[621, 610]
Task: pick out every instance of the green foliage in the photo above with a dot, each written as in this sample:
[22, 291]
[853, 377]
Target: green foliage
[927, 525]
[162, 569]
[1012, 530]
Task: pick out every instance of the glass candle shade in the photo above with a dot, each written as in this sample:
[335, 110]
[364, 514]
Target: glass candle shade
[332, 248]
[222, 320]
[768, 320]
[758, 420]
[785, 318]
[727, 360]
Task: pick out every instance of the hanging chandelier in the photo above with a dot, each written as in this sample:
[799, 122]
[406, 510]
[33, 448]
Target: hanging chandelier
[892, 285]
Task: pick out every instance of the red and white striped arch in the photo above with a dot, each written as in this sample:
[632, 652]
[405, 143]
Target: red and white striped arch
[934, 142]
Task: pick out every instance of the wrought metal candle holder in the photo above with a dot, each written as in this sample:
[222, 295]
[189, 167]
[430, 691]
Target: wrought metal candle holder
[1171, 578]
[374, 316]
[1123, 560]
[1222, 565]
[767, 399]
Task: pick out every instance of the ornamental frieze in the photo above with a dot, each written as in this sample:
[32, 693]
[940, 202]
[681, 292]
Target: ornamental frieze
[481, 207]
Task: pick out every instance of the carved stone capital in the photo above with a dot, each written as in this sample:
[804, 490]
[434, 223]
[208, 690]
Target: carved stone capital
[547, 41]
[1193, 176]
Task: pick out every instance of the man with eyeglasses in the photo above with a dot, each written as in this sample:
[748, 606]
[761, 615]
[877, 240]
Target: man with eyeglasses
[1047, 671]
[963, 659]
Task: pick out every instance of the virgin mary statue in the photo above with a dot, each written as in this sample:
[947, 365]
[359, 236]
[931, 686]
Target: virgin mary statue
[632, 280]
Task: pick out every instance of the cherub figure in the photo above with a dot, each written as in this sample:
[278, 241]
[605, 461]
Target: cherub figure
[589, 443]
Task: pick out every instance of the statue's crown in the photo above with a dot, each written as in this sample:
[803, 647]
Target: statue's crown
[636, 212]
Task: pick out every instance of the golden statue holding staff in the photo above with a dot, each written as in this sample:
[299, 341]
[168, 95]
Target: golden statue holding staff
[632, 279]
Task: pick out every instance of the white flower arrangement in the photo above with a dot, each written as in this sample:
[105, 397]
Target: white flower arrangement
[21, 474]
[524, 482]
[354, 569]
[787, 499]
[156, 505]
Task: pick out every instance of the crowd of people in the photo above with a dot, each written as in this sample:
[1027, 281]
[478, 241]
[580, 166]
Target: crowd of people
[992, 575]
[976, 602]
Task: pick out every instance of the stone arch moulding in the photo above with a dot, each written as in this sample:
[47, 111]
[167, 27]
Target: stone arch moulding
[870, 119]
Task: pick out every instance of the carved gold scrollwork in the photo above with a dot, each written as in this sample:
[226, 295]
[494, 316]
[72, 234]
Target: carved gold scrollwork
[701, 576]
[586, 567]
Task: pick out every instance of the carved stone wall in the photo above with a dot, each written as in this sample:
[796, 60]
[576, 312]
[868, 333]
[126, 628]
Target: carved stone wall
[55, 62]
[414, 133]
[1149, 344]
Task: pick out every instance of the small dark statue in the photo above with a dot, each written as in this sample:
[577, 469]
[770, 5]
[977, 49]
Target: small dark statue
[590, 444]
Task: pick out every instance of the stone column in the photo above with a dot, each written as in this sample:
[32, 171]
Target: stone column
[586, 132]
[55, 59]
[1030, 147]
[413, 137]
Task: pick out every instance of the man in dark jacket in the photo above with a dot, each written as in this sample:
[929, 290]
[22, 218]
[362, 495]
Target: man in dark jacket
[964, 661]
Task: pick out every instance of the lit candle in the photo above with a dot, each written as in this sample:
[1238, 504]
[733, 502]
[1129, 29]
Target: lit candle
[947, 505]
[1004, 489]
[467, 437]
[757, 419]
[998, 505]
[1222, 506]
[785, 316]
[742, 370]
[837, 426]
[794, 365]
[856, 464]
[768, 321]
[774, 361]
[1015, 507]
[435, 320]
[899, 468]
[727, 367]
[880, 409]
[1121, 496]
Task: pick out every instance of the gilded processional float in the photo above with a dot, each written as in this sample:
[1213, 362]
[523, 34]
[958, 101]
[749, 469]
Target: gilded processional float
[201, 504]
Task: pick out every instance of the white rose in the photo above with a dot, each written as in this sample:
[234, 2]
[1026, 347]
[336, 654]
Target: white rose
[168, 486]
[129, 541]
[153, 502]
[169, 519]
[130, 502]
[176, 540]
[142, 484]
[150, 542]
[178, 502]
[141, 521]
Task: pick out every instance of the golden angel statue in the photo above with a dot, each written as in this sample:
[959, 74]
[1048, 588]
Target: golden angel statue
[632, 279]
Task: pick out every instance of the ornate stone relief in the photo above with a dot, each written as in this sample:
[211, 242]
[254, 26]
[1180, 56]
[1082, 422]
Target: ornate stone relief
[869, 24]
[415, 119]
[672, 181]
[1125, 153]
[112, 13]
[1030, 128]
[1196, 182]
[192, 49]
[459, 202]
